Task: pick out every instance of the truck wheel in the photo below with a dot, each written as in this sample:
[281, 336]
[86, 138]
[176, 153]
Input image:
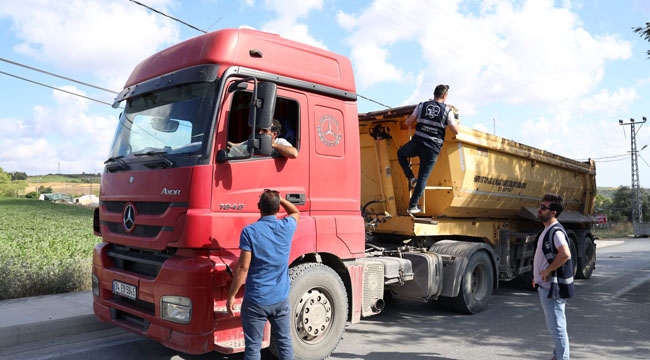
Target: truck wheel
[574, 255]
[476, 285]
[587, 263]
[320, 310]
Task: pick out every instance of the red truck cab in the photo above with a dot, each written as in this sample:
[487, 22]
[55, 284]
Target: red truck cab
[174, 198]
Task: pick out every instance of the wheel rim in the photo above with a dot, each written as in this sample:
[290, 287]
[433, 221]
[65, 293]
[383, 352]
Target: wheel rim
[478, 282]
[314, 314]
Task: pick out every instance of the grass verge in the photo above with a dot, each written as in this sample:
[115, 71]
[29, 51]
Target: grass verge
[45, 248]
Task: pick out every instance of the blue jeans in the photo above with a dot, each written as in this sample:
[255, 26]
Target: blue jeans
[253, 319]
[556, 322]
[427, 157]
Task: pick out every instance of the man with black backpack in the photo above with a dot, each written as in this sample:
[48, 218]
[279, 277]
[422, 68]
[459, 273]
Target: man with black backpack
[553, 272]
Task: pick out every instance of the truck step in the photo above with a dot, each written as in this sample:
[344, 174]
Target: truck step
[525, 269]
[235, 346]
[230, 347]
[527, 254]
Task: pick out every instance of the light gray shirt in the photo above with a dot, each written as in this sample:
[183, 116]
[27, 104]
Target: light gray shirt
[540, 263]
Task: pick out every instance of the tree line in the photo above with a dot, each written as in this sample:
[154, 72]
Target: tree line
[618, 206]
[11, 184]
[14, 184]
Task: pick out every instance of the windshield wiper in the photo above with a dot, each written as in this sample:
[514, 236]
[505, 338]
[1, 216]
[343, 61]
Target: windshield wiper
[150, 152]
[120, 163]
[113, 158]
[161, 161]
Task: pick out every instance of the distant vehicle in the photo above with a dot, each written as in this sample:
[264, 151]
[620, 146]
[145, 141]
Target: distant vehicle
[56, 197]
[87, 200]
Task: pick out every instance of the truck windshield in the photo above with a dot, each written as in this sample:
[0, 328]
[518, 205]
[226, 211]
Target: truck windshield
[172, 121]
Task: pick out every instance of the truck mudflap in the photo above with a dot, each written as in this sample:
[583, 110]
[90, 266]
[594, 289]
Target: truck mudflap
[469, 274]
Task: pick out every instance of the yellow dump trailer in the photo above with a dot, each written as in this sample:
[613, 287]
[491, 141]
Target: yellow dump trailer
[484, 189]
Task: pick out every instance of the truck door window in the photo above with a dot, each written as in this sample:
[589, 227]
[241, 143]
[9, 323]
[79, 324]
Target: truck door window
[286, 113]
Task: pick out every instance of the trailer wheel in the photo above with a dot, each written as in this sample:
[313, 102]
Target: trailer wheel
[476, 285]
[587, 263]
[574, 254]
[319, 310]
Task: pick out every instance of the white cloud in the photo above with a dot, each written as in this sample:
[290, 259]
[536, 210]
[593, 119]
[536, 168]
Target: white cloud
[104, 39]
[507, 51]
[373, 31]
[65, 136]
[290, 20]
[293, 30]
[92, 39]
[11, 128]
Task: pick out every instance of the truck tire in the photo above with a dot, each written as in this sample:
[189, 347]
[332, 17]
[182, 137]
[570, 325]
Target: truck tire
[319, 306]
[587, 263]
[574, 254]
[476, 285]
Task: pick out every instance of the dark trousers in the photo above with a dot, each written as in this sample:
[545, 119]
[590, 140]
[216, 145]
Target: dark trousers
[427, 157]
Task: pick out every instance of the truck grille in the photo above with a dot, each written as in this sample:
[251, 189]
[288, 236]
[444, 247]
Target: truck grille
[139, 261]
[142, 208]
[145, 208]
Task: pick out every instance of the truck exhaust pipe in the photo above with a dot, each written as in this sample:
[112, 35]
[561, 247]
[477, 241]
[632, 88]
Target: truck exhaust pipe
[378, 306]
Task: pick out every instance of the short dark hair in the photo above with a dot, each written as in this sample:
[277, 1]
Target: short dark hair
[440, 91]
[556, 202]
[276, 126]
[269, 203]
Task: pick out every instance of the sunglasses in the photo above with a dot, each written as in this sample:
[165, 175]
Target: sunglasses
[544, 207]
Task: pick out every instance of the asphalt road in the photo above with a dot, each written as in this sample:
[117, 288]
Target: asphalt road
[608, 319]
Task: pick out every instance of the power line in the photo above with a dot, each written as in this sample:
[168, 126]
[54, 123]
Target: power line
[59, 76]
[171, 17]
[55, 88]
[614, 160]
[194, 27]
[622, 157]
[375, 101]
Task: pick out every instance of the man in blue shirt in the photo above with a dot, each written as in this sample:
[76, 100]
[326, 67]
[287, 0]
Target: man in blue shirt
[264, 266]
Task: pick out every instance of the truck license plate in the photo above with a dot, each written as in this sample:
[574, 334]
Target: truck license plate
[126, 290]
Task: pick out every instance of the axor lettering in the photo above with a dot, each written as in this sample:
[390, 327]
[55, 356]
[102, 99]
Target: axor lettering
[174, 192]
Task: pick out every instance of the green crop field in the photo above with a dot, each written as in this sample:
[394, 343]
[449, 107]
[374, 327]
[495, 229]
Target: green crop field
[45, 248]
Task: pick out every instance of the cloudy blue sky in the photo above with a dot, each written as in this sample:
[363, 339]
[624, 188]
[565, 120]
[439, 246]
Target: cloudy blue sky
[557, 75]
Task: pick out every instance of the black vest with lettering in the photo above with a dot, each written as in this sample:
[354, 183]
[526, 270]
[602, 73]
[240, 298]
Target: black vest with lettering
[431, 124]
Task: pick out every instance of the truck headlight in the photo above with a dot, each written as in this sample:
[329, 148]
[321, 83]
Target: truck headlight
[176, 308]
[95, 285]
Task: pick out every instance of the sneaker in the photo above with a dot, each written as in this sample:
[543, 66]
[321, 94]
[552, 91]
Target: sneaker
[414, 210]
[413, 182]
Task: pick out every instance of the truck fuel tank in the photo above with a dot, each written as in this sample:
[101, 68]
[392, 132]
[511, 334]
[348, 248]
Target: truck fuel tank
[427, 277]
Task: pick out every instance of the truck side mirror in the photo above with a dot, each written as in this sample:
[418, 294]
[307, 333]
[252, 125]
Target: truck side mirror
[222, 156]
[261, 113]
[261, 144]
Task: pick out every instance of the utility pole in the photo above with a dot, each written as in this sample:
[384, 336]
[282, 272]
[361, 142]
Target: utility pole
[637, 215]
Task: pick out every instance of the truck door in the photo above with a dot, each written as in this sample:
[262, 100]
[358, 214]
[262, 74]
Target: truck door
[239, 181]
